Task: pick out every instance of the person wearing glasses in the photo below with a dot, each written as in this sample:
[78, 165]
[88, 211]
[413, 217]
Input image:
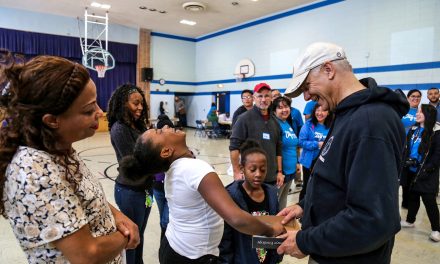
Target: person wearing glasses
[414, 96]
[258, 124]
[350, 212]
[248, 101]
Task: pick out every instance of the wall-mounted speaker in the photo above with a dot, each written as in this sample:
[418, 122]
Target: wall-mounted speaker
[147, 74]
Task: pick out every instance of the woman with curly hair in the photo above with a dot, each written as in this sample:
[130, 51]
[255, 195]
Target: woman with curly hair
[56, 207]
[127, 116]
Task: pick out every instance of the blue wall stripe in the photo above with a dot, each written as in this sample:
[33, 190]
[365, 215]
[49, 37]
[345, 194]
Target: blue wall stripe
[251, 24]
[400, 67]
[163, 35]
[389, 68]
[406, 87]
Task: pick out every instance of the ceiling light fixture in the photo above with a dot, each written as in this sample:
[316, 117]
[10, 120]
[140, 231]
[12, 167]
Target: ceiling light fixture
[194, 6]
[162, 11]
[152, 9]
[142, 7]
[187, 22]
[234, 3]
[103, 6]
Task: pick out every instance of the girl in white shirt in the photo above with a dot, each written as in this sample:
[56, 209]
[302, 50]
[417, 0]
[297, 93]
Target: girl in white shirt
[197, 199]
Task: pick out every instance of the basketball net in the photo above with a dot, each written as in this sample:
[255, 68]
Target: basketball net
[101, 70]
[239, 77]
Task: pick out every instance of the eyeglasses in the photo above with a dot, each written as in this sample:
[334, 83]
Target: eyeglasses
[247, 97]
[261, 96]
[415, 97]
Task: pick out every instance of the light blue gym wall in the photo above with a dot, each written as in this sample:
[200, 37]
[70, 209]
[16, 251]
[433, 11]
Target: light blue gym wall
[60, 25]
[398, 40]
[174, 61]
[373, 33]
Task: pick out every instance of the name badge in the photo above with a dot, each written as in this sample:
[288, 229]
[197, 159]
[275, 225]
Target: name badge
[266, 136]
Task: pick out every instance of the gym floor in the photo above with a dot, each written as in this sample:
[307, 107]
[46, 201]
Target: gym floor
[412, 245]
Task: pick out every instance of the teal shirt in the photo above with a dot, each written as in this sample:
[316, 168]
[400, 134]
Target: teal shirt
[290, 143]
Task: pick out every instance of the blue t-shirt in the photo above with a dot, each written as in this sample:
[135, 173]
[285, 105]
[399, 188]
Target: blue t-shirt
[414, 147]
[309, 107]
[320, 132]
[296, 120]
[290, 143]
[409, 119]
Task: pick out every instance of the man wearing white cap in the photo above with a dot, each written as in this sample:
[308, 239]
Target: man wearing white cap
[350, 213]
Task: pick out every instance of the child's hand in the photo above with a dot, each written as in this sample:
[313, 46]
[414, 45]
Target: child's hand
[278, 229]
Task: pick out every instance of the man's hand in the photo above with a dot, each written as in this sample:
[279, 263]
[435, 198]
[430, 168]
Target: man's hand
[127, 227]
[289, 245]
[280, 179]
[290, 213]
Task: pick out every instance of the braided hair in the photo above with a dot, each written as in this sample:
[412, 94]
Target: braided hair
[117, 109]
[44, 85]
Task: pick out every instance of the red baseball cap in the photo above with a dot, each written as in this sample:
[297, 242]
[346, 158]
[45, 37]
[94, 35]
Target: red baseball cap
[260, 86]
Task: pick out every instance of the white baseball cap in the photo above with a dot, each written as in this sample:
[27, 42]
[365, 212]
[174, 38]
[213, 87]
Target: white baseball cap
[315, 55]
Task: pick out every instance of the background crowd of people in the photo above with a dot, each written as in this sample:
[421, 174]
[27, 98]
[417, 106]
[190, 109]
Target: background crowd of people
[359, 141]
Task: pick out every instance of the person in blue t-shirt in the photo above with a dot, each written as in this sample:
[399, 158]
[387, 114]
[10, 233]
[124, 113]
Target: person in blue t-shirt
[308, 109]
[311, 138]
[290, 150]
[295, 114]
[414, 96]
[419, 176]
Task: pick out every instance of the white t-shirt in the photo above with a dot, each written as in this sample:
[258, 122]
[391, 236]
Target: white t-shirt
[195, 229]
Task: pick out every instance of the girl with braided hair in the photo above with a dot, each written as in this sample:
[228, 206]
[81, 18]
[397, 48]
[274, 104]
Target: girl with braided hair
[56, 207]
[127, 116]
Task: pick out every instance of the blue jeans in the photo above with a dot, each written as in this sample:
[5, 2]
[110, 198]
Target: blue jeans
[132, 204]
[162, 204]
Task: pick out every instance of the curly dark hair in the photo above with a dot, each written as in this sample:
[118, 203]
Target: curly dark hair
[44, 85]
[328, 120]
[118, 111]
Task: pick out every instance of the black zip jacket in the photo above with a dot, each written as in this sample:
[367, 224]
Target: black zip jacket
[351, 212]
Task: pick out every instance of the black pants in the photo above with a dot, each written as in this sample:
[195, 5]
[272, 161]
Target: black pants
[405, 187]
[306, 177]
[167, 255]
[429, 200]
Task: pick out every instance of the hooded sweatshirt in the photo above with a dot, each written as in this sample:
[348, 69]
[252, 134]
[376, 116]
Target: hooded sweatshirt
[351, 212]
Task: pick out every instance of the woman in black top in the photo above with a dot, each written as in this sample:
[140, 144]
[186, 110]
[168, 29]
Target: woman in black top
[421, 168]
[127, 119]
